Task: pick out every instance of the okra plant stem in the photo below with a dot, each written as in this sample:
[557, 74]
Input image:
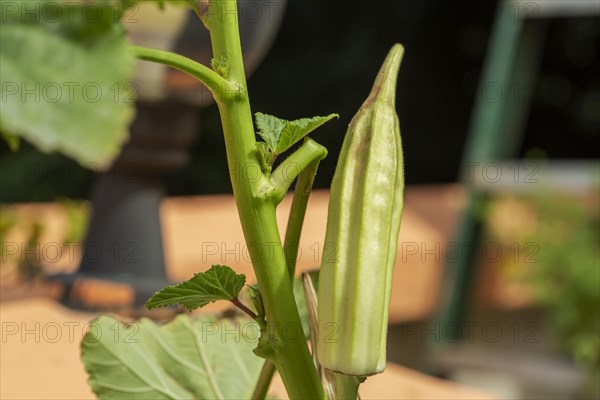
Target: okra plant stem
[256, 196]
[291, 244]
[256, 208]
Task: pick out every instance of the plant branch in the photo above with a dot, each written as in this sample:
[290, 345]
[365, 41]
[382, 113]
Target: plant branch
[297, 213]
[236, 302]
[215, 82]
[291, 167]
[264, 381]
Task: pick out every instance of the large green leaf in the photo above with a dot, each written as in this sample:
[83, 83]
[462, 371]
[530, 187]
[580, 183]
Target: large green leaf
[65, 68]
[200, 358]
[218, 283]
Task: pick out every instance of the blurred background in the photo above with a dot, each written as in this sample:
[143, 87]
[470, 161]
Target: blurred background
[543, 294]
[323, 61]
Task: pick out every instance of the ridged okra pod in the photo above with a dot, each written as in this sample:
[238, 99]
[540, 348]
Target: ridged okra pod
[363, 222]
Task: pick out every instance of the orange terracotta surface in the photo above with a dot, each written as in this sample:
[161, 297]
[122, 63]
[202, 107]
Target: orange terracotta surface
[40, 351]
[201, 231]
[39, 359]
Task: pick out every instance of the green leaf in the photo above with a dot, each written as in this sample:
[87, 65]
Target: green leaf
[269, 128]
[12, 141]
[280, 134]
[295, 130]
[265, 156]
[254, 294]
[301, 302]
[301, 305]
[218, 283]
[64, 79]
[199, 358]
[220, 65]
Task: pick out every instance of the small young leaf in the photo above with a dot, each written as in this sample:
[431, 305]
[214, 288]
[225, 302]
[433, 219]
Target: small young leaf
[295, 130]
[256, 299]
[218, 283]
[220, 65]
[280, 134]
[269, 128]
[265, 156]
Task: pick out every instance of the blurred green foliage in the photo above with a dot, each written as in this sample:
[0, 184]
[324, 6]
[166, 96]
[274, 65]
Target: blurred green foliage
[565, 279]
[25, 261]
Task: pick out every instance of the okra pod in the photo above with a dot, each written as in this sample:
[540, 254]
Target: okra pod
[363, 222]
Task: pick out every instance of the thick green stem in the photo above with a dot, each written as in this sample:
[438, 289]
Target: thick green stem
[256, 208]
[291, 244]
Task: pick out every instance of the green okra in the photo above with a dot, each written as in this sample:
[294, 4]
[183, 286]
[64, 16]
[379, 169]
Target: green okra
[363, 222]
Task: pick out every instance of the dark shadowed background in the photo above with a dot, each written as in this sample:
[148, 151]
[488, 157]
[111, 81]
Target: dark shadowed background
[325, 59]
